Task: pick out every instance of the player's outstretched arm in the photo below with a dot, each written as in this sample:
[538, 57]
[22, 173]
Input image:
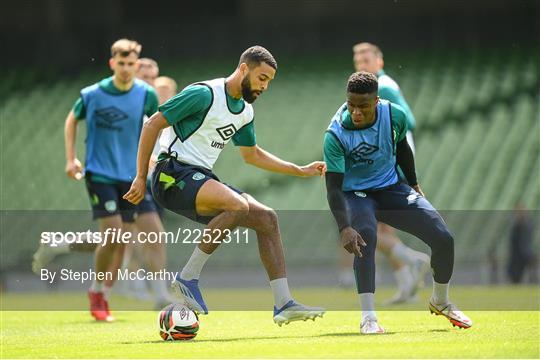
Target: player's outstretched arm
[351, 240]
[260, 158]
[73, 165]
[149, 135]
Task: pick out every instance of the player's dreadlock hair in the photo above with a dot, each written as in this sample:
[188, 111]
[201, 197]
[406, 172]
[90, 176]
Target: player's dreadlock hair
[362, 82]
[255, 55]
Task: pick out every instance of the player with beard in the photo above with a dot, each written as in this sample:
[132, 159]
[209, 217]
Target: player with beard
[197, 123]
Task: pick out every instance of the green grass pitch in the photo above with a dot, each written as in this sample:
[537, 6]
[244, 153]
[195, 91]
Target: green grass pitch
[252, 334]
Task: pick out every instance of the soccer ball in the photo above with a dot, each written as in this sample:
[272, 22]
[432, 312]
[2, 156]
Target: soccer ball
[177, 322]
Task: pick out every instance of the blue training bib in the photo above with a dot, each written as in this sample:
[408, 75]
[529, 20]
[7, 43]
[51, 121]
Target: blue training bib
[370, 158]
[114, 124]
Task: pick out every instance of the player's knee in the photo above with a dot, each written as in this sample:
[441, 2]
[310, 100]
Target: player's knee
[444, 240]
[369, 234]
[271, 217]
[269, 220]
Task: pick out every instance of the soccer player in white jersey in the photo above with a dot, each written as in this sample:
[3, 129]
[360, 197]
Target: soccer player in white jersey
[198, 123]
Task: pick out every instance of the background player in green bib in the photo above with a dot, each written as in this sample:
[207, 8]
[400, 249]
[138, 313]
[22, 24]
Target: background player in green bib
[363, 146]
[197, 124]
[409, 266]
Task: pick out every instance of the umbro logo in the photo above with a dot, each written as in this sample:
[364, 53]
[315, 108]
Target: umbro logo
[362, 150]
[111, 114]
[226, 132]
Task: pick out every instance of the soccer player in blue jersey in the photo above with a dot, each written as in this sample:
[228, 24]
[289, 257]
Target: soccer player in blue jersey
[409, 266]
[147, 219]
[363, 146]
[114, 109]
[197, 124]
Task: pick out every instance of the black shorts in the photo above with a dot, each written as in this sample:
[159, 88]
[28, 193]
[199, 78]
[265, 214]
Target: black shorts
[175, 186]
[398, 205]
[106, 200]
[148, 204]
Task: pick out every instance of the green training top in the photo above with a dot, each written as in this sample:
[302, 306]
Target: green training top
[389, 90]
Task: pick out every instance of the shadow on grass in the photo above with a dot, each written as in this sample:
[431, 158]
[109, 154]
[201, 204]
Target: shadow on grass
[439, 330]
[215, 340]
[279, 338]
[355, 333]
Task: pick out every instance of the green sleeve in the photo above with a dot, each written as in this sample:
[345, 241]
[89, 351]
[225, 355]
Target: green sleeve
[195, 99]
[334, 156]
[399, 122]
[390, 94]
[395, 96]
[79, 109]
[246, 135]
[151, 103]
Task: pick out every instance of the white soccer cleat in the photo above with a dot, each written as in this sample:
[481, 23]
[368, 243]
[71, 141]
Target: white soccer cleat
[44, 255]
[371, 327]
[293, 311]
[452, 313]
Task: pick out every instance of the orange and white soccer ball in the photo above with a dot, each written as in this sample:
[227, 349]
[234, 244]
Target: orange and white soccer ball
[177, 322]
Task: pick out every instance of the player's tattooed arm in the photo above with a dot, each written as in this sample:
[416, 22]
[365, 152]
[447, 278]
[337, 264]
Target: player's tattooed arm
[351, 240]
[261, 158]
[149, 135]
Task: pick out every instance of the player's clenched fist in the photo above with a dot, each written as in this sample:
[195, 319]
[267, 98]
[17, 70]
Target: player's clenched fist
[74, 169]
[136, 192]
[351, 240]
[315, 168]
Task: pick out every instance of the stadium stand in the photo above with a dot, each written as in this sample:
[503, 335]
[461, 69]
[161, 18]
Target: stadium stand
[478, 142]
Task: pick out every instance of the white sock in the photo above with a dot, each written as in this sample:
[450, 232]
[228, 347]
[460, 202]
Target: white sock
[367, 301]
[193, 268]
[160, 289]
[106, 292]
[440, 293]
[404, 278]
[280, 290]
[404, 253]
[96, 286]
